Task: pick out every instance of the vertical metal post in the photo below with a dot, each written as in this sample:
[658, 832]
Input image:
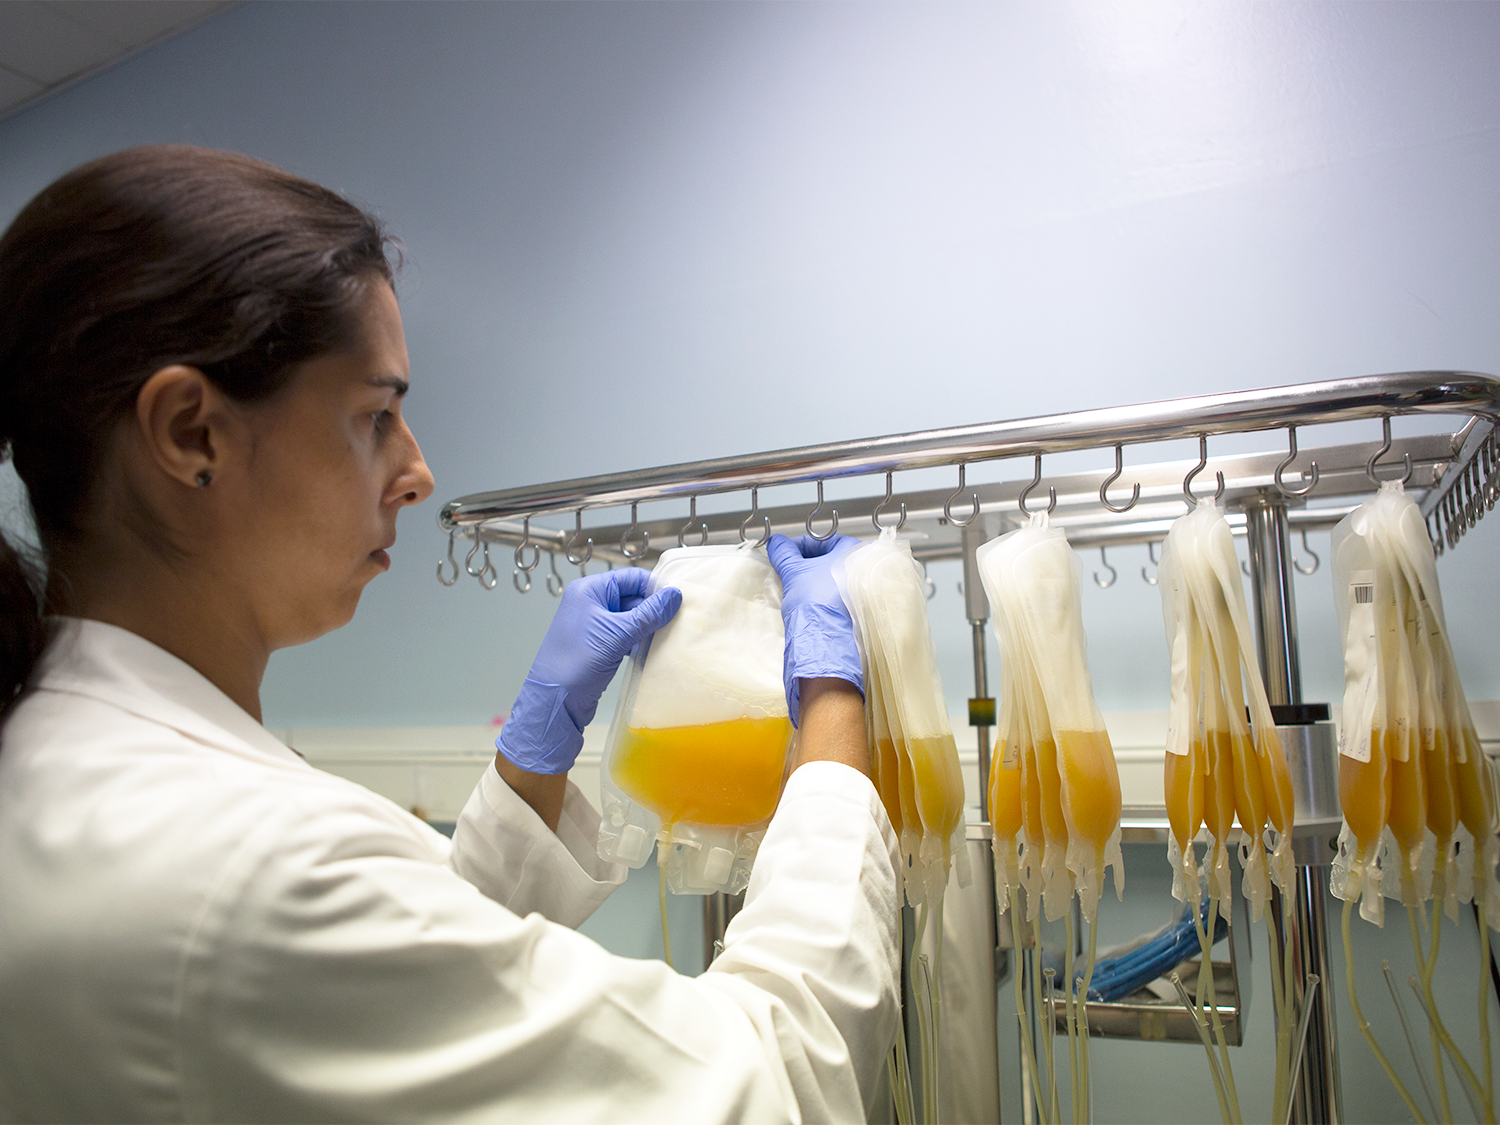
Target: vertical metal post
[1275, 611]
[982, 731]
[718, 910]
[982, 707]
[977, 610]
[1317, 1097]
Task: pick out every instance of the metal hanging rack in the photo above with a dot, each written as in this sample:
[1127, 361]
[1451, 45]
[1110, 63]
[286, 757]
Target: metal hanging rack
[1456, 473]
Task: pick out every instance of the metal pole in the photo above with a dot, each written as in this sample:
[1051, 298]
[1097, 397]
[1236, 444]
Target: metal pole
[719, 910]
[1339, 400]
[982, 730]
[1317, 1097]
[1275, 611]
[982, 706]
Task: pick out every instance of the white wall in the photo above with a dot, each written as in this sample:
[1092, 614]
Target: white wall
[641, 233]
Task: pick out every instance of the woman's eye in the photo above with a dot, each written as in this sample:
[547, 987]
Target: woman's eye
[382, 420]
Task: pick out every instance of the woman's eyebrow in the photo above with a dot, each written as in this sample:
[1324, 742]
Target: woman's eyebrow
[400, 386]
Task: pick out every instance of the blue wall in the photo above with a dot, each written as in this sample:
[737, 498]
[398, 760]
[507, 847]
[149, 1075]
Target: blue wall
[640, 233]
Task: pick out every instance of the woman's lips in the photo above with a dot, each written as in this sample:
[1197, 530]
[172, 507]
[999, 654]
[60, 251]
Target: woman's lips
[381, 559]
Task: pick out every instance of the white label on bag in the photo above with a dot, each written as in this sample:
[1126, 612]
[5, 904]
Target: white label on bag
[1360, 659]
[1010, 755]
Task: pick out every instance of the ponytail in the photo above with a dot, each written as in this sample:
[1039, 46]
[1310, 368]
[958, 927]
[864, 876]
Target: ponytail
[23, 634]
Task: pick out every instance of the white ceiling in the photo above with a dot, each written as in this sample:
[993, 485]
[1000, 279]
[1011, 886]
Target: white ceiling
[47, 44]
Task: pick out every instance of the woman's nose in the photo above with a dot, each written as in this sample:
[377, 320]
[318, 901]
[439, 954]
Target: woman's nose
[414, 483]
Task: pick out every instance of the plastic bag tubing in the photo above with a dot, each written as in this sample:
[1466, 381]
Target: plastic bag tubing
[699, 744]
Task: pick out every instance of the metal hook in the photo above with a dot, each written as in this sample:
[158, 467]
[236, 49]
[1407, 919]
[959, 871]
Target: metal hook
[754, 512]
[833, 514]
[1312, 473]
[1113, 573]
[536, 550]
[1385, 447]
[1187, 481]
[1245, 568]
[488, 569]
[1151, 553]
[927, 581]
[580, 561]
[555, 582]
[450, 561]
[880, 509]
[1316, 562]
[948, 503]
[625, 537]
[469, 558]
[702, 527]
[1036, 479]
[1135, 493]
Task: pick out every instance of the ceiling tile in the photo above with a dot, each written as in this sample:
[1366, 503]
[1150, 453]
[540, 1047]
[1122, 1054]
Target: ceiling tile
[134, 23]
[42, 44]
[15, 90]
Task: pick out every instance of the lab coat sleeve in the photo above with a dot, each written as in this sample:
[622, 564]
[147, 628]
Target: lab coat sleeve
[502, 847]
[340, 973]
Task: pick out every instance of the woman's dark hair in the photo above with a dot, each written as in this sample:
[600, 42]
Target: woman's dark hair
[158, 255]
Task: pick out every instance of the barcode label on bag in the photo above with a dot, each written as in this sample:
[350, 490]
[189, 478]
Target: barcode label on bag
[1364, 594]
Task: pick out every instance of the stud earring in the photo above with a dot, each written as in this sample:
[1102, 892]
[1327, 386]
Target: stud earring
[204, 478]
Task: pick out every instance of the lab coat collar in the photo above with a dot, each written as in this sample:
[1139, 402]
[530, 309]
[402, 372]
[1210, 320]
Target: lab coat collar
[127, 671]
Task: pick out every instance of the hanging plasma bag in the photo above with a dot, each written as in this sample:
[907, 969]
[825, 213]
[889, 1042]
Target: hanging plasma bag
[699, 744]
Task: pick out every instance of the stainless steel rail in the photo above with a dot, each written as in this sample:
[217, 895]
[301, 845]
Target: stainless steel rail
[1339, 400]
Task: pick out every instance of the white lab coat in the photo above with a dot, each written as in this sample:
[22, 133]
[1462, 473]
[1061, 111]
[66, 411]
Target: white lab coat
[196, 925]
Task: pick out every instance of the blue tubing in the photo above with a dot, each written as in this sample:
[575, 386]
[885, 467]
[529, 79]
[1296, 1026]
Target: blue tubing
[1116, 977]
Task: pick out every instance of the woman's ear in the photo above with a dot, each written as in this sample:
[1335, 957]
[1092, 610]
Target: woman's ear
[181, 418]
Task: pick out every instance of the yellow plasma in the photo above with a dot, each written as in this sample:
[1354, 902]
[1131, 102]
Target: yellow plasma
[887, 781]
[920, 780]
[1086, 762]
[1054, 824]
[1408, 812]
[1031, 795]
[715, 773]
[1183, 778]
[906, 784]
[1365, 793]
[1218, 796]
[939, 784]
[1276, 780]
[1249, 794]
[1437, 774]
[1005, 796]
[1474, 800]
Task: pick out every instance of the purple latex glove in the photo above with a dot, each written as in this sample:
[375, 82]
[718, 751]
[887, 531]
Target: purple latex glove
[819, 632]
[599, 620]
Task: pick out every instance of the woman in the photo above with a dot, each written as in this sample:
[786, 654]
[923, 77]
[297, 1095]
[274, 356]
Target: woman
[201, 376]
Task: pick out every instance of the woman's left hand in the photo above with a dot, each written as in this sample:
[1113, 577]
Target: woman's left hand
[600, 619]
